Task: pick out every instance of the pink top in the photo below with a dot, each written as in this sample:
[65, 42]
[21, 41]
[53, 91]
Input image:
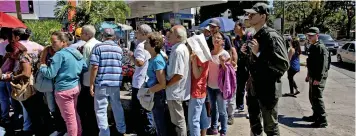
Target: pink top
[32, 47]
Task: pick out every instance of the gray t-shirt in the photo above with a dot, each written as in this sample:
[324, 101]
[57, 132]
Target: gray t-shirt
[178, 63]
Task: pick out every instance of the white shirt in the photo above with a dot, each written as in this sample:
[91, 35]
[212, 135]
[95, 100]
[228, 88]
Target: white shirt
[178, 63]
[140, 72]
[78, 44]
[88, 46]
[214, 69]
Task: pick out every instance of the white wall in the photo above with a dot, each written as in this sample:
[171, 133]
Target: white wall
[44, 8]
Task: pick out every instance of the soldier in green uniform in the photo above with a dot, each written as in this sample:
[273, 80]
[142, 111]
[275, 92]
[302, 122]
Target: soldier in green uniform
[318, 65]
[269, 61]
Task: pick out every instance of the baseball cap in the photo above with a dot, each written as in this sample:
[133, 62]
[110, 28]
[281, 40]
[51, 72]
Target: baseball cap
[260, 7]
[108, 32]
[313, 31]
[207, 28]
[78, 32]
[215, 22]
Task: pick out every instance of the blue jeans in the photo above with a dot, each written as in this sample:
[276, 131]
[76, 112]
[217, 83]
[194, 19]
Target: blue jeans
[197, 116]
[5, 92]
[158, 111]
[102, 97]
[51, 102]
[142, 118]
[26, 119]
[218, 109]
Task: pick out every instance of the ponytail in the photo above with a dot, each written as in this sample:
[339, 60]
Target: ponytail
[23, 33]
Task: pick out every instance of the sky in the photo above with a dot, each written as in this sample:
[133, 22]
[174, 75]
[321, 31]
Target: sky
[270, 3]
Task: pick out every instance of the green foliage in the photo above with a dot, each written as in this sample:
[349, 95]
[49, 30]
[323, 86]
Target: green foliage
[236, 8]
[329, 16]
[167, 25]
[42, 30]
[93, 12]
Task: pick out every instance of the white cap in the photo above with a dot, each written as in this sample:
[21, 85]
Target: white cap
[207, 28]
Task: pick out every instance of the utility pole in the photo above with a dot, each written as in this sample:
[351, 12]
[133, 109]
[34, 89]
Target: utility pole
[18, 9]
[283, 14]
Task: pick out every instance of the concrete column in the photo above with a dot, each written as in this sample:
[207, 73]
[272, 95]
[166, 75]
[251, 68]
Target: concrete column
[176, 10]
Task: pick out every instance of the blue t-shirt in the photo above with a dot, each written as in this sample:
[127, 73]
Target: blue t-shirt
[154, 64]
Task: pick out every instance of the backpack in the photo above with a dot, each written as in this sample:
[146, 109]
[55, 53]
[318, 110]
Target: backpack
[282, 64]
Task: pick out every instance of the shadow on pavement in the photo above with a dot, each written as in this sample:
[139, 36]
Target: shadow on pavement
[239, 115]
[293, 122]
[347, 66]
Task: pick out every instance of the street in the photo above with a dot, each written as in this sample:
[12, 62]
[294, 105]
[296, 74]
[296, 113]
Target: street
[339, 99]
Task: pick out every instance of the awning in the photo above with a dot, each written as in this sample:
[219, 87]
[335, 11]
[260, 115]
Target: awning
[144, 8]
[124, 27]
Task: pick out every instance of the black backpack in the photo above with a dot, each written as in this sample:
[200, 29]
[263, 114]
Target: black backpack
[283, 65]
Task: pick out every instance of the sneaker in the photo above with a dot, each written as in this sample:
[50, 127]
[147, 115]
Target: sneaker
[222, 134]
[247, 116]
[320, 123]
[309, 118]
[230, 120]
[241, 109]
[212, 131]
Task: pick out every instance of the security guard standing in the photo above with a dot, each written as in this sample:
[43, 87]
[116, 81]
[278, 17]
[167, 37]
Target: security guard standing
[268, 64]
[318, 65]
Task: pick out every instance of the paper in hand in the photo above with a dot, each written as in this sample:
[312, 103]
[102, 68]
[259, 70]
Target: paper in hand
[200, 47]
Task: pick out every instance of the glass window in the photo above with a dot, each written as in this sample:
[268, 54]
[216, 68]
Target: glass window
[325, 38]
[352, 47]
[346, 46]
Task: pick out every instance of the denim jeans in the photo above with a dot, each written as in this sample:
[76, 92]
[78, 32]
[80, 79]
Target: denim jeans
[51, 102]
[218, 109]
[38, 113]
[231, 105]
[142, 119]
[158, 111]
[102, 97]
[5, 92]
[197, 116]
[26, 119]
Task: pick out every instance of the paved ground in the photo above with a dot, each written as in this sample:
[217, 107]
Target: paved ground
[339, 98]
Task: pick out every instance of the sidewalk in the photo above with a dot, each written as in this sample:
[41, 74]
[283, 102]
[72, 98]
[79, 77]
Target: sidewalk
[339, 99]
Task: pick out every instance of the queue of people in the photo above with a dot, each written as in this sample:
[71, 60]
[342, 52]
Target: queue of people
[169, 81]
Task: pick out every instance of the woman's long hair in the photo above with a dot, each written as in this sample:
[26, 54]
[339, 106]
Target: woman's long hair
[16, 48]
[296, 46]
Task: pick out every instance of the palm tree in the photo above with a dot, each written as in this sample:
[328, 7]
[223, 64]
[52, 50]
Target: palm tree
[93, 12]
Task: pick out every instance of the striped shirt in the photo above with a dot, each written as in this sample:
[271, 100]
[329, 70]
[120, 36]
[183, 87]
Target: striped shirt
[108, 57]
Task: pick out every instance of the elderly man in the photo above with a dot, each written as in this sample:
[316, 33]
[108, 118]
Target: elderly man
[105, 76]
[85, 101]
[178, 78]
[143, 118]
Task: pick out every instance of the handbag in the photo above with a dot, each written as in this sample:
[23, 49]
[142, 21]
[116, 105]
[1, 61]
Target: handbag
[43, 84]
[22, 89]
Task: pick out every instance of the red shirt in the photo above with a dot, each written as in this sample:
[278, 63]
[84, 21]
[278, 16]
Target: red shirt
[198, 86]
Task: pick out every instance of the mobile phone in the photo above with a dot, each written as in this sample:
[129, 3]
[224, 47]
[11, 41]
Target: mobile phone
[248, 43]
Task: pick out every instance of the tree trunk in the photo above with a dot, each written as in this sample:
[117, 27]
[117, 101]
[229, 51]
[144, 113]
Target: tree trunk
[18, 9]
[348, 27]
